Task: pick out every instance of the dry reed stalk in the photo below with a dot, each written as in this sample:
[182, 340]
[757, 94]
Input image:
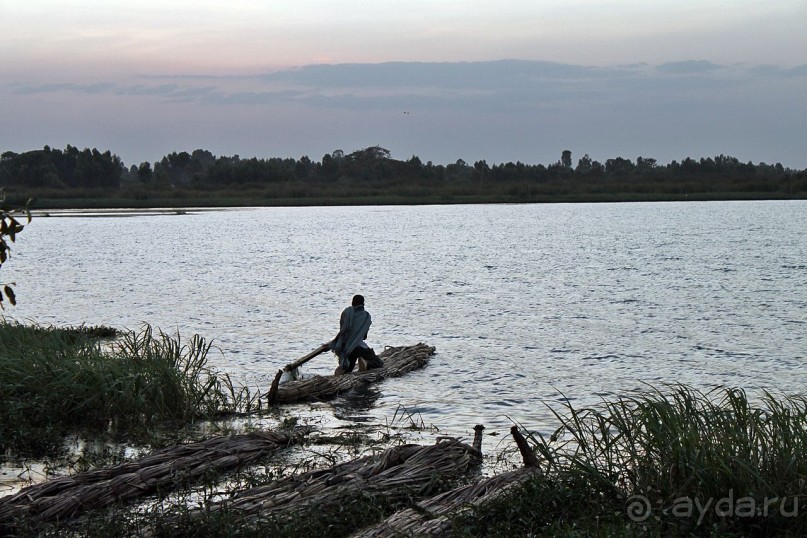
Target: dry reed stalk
[66, 497]
[397, 362]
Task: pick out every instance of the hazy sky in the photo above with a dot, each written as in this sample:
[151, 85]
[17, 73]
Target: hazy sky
[663, 79]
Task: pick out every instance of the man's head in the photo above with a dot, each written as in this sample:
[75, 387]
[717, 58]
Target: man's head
[358, 300]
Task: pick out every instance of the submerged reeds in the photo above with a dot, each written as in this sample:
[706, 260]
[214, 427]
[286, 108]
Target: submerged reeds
[56, 381]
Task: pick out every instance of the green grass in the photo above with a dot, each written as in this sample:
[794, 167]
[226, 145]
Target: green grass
[673, 462]
[56, 381]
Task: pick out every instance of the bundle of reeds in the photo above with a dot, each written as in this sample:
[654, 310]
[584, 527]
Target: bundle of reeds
[397, 361]
[164, 470]
[397, 475]
[435, 516]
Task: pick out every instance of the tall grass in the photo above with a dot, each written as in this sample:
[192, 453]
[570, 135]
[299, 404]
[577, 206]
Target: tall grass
[55, 381]
[666, 461]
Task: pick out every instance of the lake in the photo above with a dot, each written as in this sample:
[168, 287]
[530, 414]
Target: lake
[527, 305]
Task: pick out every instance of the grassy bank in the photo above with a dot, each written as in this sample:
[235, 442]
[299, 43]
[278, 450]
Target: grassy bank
[357, 194]
[117, 202]
[56, 381]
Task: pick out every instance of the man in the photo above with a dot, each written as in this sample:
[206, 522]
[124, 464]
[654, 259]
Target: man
[349, 344]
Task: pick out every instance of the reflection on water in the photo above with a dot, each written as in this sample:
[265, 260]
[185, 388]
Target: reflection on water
[79, 455]
[355, 404]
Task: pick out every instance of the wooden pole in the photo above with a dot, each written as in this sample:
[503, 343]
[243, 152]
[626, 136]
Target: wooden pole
[478, 429]
[299, 362]
[272, 396]
[527, 454]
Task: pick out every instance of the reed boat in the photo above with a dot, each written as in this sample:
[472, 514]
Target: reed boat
[397, 362]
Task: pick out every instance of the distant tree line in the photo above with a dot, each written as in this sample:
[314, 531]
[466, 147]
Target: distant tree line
[56, 168]
[372, 171]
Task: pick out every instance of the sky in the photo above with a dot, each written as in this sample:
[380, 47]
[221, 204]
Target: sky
[472, 80]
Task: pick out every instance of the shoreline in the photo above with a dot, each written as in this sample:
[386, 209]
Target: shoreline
[108, 206]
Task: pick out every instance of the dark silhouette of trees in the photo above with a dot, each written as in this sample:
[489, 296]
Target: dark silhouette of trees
[373, 172]
[61, 169]
[144, 173]
[566, 158]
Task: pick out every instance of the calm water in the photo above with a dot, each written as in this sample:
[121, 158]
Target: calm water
[526, 304]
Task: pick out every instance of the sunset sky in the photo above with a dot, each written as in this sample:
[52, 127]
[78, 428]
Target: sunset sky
[506, 81]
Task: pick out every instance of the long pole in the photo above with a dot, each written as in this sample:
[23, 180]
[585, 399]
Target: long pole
[296, 364]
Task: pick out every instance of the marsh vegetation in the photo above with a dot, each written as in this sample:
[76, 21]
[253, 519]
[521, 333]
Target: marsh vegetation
[97, 380]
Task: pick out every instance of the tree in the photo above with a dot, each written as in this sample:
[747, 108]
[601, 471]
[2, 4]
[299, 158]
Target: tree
[566, 158]
[144, 172]
[481, 170]
[619, 167]
[583, 165]
[303, 167]
[330, 167]
[373, 153]
[9, 228]
[645, 164]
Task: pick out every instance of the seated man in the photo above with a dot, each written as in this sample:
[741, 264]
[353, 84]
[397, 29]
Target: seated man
[349, 344]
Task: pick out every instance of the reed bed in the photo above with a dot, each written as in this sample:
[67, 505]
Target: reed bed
[345, 499]
[435, 516]
[668, 461]
[55, 381]
[686, 442]
[673, 460]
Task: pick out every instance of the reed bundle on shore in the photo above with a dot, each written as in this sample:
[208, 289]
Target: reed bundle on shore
[398, 474]
[397, 362]
[169, 468]
[433, 516]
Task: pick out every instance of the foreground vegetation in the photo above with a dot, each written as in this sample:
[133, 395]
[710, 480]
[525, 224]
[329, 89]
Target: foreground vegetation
[665, 461]
[672, 462]
[96, 381]
[69, 178]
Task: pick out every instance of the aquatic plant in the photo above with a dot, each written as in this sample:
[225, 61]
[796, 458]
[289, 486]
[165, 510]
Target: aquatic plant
[667, 460]
[55, 381]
